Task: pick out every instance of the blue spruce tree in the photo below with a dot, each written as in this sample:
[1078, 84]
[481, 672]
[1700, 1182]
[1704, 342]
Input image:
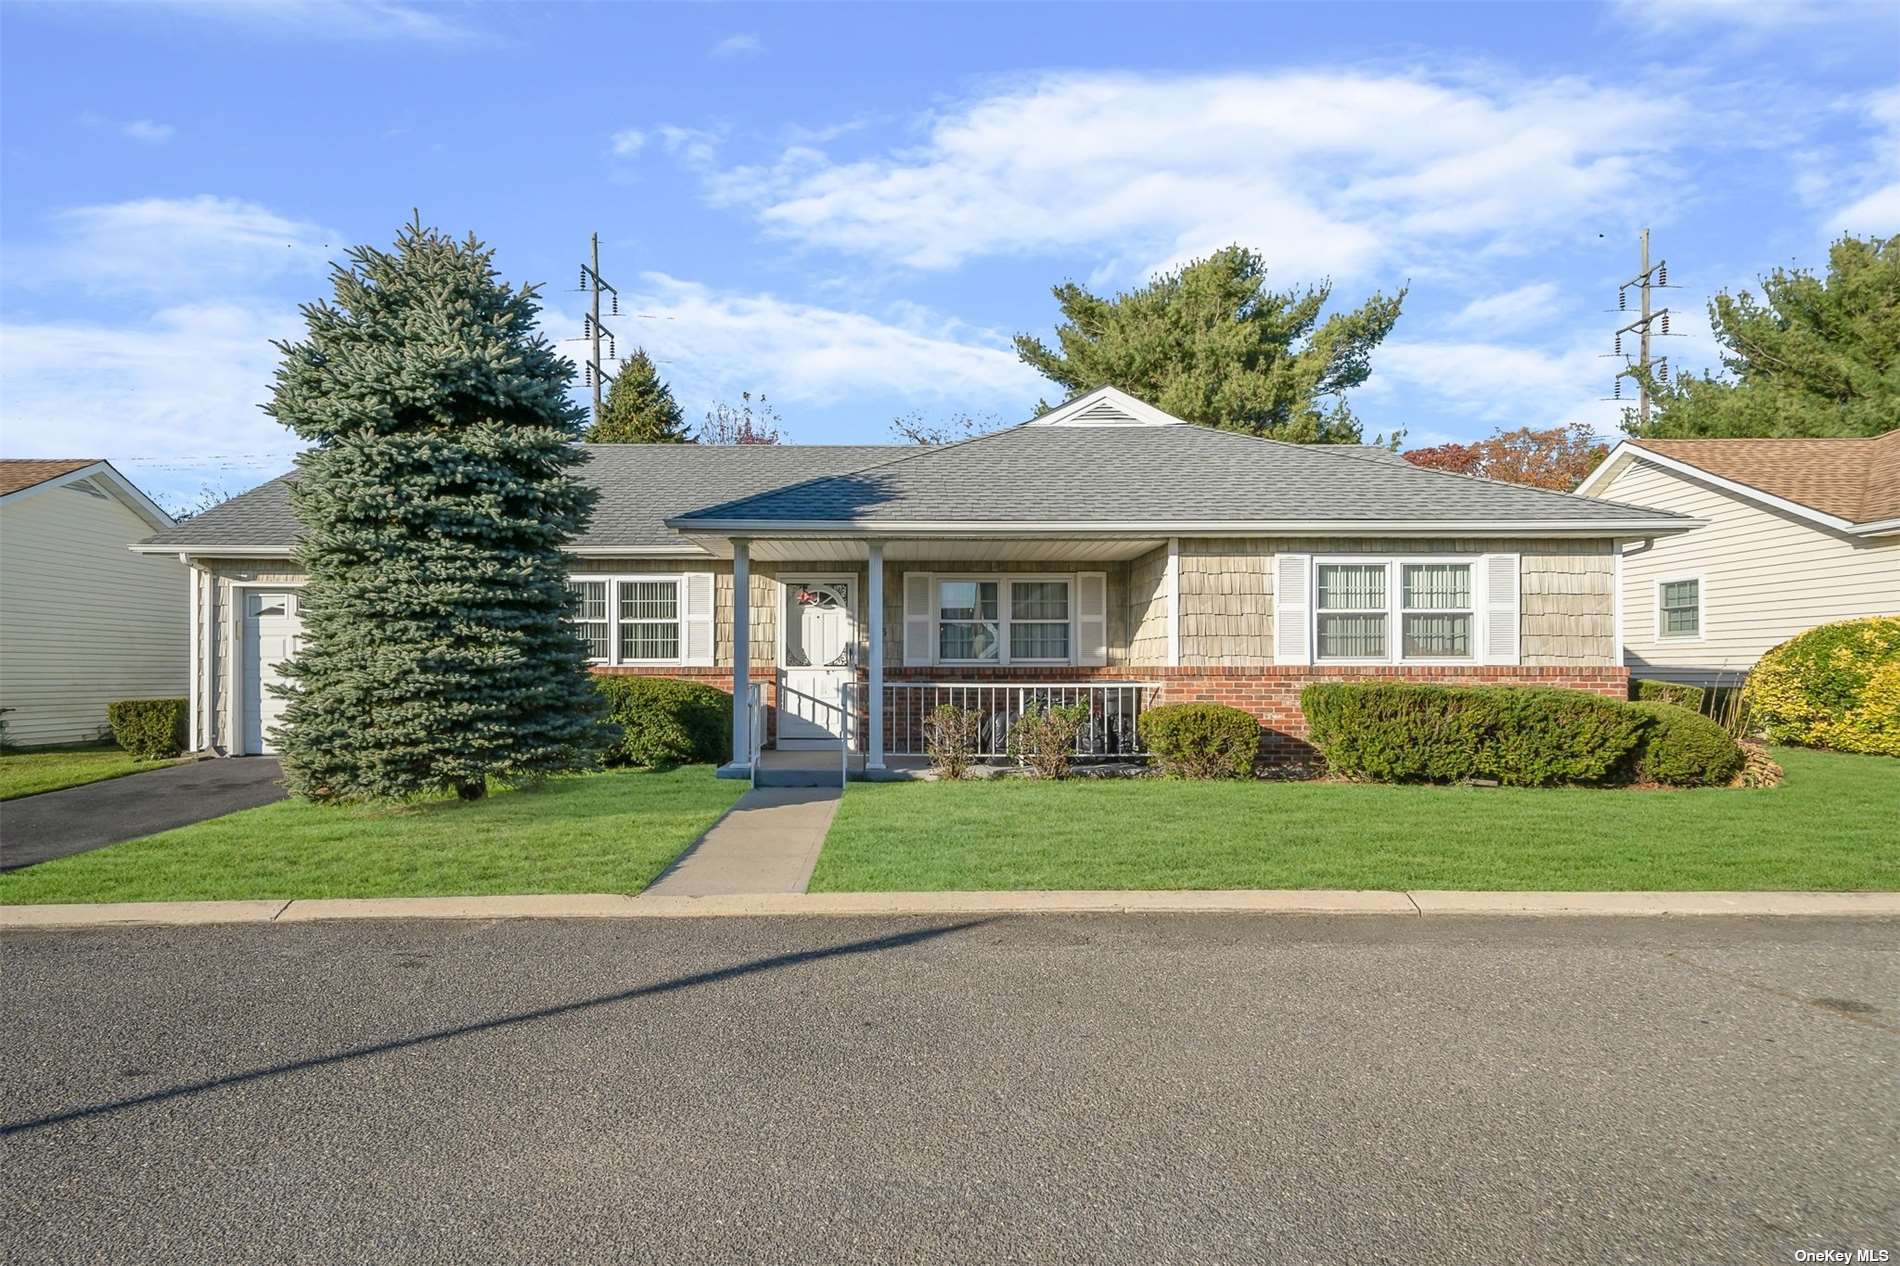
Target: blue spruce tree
[436, 497]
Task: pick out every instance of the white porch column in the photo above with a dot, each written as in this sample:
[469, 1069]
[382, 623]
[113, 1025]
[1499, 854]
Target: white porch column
[874, 612]
[741, 653]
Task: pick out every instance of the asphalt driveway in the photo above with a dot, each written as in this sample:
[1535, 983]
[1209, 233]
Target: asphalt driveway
[1097, 1089]
[61, 823]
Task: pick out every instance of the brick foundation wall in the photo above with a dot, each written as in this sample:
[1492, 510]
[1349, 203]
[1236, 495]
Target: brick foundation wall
[1272, 694]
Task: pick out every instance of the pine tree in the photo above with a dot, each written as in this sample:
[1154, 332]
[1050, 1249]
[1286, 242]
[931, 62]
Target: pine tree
[435, 499]
[639, 408]
[1210, 343]
[1814, 356]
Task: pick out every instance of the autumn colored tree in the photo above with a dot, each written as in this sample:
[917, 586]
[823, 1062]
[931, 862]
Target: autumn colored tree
[1557, 458]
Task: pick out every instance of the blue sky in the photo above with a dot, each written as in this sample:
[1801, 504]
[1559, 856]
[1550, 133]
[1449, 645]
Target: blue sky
[852, 209]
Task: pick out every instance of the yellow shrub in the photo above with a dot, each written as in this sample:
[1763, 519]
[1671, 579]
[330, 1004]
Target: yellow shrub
[1837, 686]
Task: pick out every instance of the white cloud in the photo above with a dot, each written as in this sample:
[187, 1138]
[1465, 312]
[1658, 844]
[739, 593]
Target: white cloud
[1877, 211]
[176, 395]
[172, 247]
[147, 131]
[371, 20]
[713, 344]
[735, 47]
[1531, 304]
[1496, 385]
[1753, 17]
[1330, 172]
[627, 142]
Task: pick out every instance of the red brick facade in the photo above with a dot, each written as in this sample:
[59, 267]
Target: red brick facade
[1271, 693]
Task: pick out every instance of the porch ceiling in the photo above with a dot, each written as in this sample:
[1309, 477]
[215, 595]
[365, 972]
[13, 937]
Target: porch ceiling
[958, 549]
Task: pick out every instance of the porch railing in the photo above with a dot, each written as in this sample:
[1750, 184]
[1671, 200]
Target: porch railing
[1114, 710]
[755, 725]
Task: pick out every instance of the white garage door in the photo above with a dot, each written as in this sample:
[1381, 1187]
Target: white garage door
[271, 632]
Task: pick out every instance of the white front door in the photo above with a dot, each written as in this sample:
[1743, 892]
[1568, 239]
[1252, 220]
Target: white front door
[818, 654]
[272, 629]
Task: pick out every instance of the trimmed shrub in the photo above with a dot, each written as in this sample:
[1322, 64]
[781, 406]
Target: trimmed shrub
[1201, 740]
[1837, 686]
[1521, 736]
[150, 729]
[1043, 737]
[1680, 748]
[951, 735]
[664, 722]
[1676, 692]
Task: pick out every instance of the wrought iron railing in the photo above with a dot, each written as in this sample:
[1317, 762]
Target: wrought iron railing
[1111, 729]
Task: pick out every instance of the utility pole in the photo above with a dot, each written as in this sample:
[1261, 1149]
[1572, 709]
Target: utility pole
[1656, 276]
[594, 373]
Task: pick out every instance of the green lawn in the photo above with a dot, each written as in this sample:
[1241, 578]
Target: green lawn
[611, 832]
[1833, 824]
[35, 769]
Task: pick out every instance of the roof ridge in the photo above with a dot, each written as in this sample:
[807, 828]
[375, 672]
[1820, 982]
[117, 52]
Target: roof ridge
[1382, 463]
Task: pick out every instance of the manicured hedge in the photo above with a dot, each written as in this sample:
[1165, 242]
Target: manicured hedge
[1680, 748]
[664, 722]
[1201, 740]
[1837, 686]
[150, 729]
[1644, 690]
[1516, 735]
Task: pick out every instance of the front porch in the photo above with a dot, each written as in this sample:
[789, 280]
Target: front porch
[865, 639]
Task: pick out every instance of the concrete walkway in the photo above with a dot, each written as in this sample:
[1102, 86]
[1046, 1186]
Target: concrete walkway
[767, 843]
[60, 823]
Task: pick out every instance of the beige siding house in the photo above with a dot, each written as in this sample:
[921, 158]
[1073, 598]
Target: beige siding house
[1103, 553]
[83, 620]
[1799, 533]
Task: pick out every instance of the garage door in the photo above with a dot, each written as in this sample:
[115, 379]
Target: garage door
[271, 632]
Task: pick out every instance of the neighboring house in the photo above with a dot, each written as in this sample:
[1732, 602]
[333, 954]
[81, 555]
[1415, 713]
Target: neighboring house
[1801, 532]
[1104, 552]
[82, 620]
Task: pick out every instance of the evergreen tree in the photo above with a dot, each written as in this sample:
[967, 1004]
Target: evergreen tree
[639, 408]
[1210, 343]
[435, 499]
[1815, 356]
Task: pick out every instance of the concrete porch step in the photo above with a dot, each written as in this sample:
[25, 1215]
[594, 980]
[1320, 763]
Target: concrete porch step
[812, 768]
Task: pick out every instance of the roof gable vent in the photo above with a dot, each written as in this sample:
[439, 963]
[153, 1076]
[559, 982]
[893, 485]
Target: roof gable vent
[1105, 406]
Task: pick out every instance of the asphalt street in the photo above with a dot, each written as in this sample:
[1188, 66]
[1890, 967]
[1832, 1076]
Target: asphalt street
[1097, 1089]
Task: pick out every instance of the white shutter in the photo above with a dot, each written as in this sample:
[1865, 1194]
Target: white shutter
[919, 621]
[696, 623]
[1091, 618]
[1500, 609]
[1292, 618]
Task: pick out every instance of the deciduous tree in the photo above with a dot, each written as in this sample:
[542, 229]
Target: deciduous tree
[1556, 458]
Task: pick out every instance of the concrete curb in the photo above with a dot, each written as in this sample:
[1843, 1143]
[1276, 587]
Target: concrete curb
[1877, 905]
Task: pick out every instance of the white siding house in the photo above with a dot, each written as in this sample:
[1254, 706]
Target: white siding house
[83, 619]
[1703, 606]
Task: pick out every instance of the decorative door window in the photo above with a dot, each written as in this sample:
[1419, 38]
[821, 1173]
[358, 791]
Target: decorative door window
[818, 625]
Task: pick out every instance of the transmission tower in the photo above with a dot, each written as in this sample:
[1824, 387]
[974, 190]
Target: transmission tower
[594, 373]
[1650, 323]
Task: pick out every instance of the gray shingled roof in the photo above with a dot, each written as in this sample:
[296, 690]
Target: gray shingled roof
[1150, 474]
[1153, 474]
[640, 486]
